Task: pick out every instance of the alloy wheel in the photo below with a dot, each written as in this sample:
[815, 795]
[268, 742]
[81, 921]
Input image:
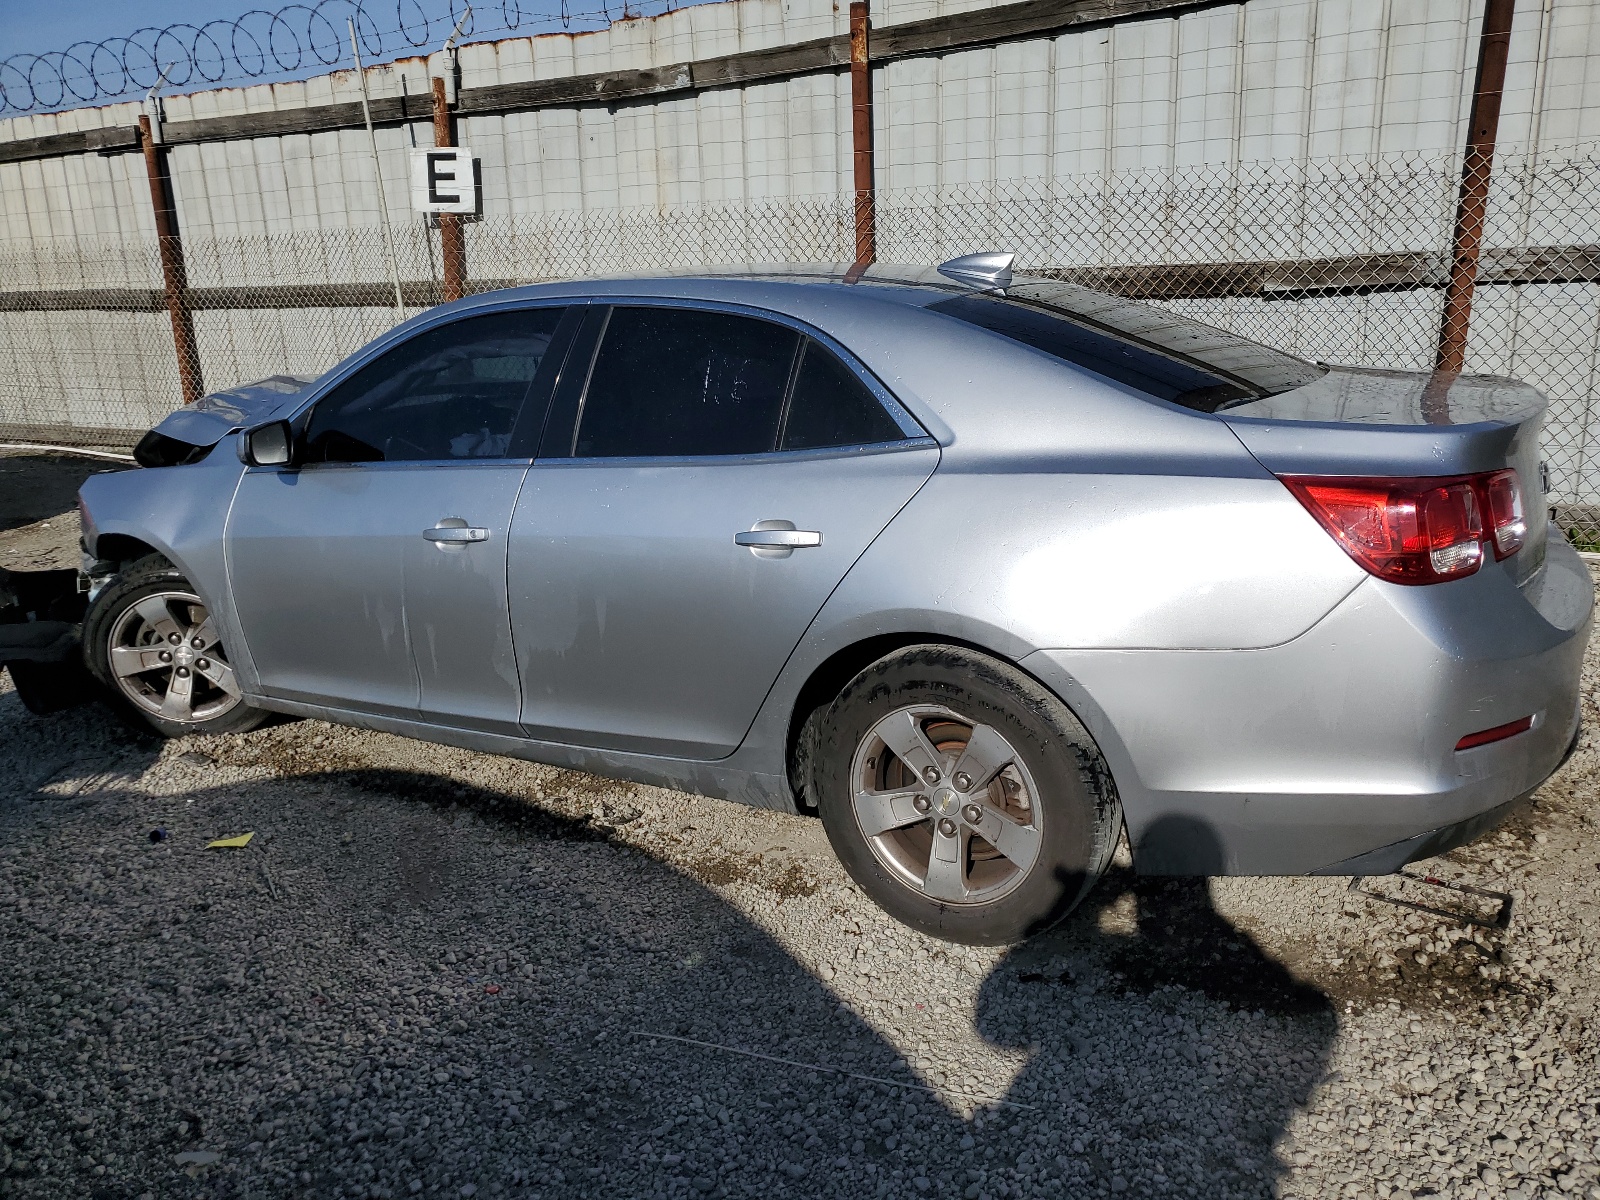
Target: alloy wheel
[946, 804]
[166, 658]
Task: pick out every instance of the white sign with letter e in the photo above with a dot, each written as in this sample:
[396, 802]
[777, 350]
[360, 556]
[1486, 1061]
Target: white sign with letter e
[443, 180]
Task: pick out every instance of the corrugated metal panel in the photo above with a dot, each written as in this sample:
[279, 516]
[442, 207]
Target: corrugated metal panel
[1082, 142]
[1572, 86]
[83, 196]
[129, 382]
[898, 12]
[1126, 137]
[1270, 80]
[1432, 53]
[1209, 69]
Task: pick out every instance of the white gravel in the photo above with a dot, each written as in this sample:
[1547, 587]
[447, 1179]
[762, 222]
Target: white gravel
[436, 973]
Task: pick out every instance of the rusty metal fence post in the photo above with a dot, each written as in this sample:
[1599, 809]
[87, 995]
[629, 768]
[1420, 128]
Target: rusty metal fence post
[861, 136]
[452, 239]
[174, 279]
[1477, 167]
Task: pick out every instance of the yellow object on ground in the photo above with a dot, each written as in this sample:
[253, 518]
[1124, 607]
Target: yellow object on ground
[233, 843]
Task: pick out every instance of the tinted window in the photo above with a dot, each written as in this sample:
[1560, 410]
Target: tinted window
[685, 382]
[1263, 369]
[832, 407]
[450, 393]
[1149, 348]
[1165, 376]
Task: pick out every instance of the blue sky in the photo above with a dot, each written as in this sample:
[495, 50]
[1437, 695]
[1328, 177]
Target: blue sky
[34, 28]
[302, 46]
[29, 28]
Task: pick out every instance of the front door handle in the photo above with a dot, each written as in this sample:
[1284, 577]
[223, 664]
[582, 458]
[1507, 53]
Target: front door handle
[786, 538]
[455, 535]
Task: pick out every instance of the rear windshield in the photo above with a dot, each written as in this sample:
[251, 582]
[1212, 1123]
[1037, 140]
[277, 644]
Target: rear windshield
[1157, 352]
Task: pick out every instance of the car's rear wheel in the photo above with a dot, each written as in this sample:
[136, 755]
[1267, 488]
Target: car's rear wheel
[962, 796]
[150, 640]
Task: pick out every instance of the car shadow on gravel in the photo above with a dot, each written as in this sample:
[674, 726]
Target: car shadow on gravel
[406, 985]
[1176, 1028]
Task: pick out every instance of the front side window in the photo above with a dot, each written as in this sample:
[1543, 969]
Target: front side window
[687, 382]
[451, 393]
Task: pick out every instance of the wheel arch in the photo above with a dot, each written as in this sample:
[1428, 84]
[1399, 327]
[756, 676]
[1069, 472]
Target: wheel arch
[123, 548]
[829, 677]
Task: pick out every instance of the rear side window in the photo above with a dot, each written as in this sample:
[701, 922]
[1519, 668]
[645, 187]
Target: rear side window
[830, 406]
[453, 392]
[674, 382]
[685, 382]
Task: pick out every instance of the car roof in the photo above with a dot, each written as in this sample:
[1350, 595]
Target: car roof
[917, 286]
[898, 276]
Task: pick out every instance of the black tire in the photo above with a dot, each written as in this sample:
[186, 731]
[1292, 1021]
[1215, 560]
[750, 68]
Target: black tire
[112, 612]
[1071, 816]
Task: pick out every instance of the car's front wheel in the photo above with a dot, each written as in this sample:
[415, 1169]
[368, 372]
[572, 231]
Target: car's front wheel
[962, 796]
[150, 640]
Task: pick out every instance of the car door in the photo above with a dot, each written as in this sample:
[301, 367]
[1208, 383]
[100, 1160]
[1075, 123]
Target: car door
[684, 525]
[370, 574]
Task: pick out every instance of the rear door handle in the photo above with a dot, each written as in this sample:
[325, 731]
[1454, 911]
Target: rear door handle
[455, 535]
[785, 538]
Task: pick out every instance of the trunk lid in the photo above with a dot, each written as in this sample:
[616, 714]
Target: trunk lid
[1356, 421]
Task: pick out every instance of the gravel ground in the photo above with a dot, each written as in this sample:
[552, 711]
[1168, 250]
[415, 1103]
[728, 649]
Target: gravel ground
[34, 485]
[38, 514]
[445, 974]
[41, 545]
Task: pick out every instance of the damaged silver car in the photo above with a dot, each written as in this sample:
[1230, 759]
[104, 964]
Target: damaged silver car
[980, 569]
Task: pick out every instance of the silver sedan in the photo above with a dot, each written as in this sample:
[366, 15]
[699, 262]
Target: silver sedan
[982, 570]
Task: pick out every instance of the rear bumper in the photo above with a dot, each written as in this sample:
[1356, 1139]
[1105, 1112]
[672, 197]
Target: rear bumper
[1335, 753]
[1387, 859]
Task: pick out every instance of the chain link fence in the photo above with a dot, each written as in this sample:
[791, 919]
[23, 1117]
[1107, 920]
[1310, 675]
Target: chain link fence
[1342, 261]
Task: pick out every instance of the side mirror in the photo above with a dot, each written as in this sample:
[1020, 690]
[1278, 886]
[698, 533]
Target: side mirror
[268, 445]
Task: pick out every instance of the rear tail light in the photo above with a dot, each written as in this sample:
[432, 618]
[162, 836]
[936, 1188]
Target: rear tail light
[1416, 531]
[1506, 521]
